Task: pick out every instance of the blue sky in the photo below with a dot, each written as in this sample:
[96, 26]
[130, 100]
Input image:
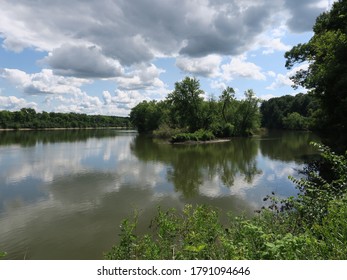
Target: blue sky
[106, 56]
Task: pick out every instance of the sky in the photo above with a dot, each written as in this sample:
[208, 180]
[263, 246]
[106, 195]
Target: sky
[106, 56]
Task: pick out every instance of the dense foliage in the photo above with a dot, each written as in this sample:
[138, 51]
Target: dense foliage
[29, 118]
[299, 112]
[326, 54]
[185, 111]
[311, 226]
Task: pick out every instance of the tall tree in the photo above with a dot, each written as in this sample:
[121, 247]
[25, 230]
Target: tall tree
[326, 53]
[248, 114]
[146, 116]
[227, 96]
[186, 102]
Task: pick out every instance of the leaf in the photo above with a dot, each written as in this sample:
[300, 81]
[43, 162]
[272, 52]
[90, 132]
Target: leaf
[195, 249]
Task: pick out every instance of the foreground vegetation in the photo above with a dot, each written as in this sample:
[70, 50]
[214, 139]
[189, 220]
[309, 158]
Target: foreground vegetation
[29, 118]
[310, 226]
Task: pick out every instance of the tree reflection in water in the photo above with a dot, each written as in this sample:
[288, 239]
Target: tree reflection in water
[190, 165]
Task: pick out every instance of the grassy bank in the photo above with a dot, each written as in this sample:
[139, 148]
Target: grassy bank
[311, 226]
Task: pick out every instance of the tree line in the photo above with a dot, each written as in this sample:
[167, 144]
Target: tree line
[29, 118]
[185, 113]
[299, 112]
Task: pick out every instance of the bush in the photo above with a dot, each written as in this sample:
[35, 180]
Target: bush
[228, 130]
[200, 135]
[198, 233]
[166, 132]
[181, 137]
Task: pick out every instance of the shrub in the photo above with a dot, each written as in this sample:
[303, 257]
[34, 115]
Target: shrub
[228, 130]
[199, 135]
[166, 132]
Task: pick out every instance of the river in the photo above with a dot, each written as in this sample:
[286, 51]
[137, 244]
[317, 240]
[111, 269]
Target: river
[64, 193]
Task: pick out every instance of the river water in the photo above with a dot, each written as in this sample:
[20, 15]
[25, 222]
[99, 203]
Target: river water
[64, 193]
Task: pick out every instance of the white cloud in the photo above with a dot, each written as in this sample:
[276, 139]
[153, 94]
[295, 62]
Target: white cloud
[208, 66]
[239, 67]
[143, 77]
[63, 94]
[123, 99]
[134, 31]
[216, 84]
[271, 74]
[284, 79]
[82, 61]
[79, 102]
[44, 82]
[267, 96]
[13, 103]
[271, 45]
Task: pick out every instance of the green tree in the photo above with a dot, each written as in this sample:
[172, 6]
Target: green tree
[295, 121]
[275, 112]
[326, 53]
[226, 98]
[186, 103]
[146, 116]
[248, 114]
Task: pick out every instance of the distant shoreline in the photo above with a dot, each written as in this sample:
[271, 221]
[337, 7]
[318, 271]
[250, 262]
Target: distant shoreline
[62, 128]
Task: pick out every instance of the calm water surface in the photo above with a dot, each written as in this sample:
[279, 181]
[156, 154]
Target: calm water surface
[63, 194]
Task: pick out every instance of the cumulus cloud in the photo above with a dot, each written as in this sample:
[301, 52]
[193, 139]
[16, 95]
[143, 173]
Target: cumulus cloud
[44, 82]
[267, 96]
[239, 67]
[122, 101]
[82, 61]
[64, 94]
[217, 84]
[282, 80]
[208, 66]
[304, 13]
[119, 103]
[79, 102]
[137, 31]
[13, 103]
[271, 45]
[142, 77]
